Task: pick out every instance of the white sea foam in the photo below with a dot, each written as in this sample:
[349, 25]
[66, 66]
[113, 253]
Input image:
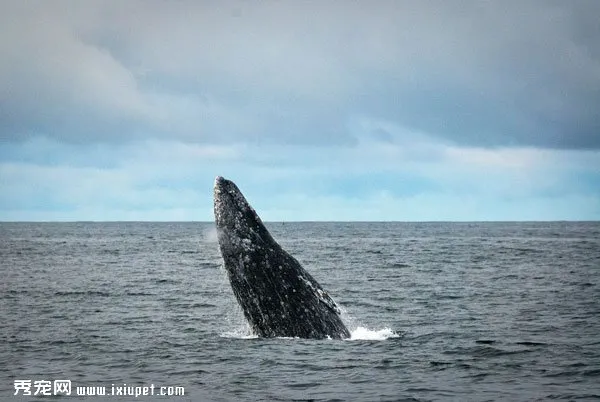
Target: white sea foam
[239, 333]
[363, 333]
[360, 333]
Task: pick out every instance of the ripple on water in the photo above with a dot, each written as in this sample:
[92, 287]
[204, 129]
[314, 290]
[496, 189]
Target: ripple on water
[439, 311]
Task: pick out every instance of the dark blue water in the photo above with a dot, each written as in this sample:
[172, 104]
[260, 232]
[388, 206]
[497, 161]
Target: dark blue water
[482, 311]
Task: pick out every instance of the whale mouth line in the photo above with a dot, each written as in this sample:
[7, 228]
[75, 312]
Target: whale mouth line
[278, 297]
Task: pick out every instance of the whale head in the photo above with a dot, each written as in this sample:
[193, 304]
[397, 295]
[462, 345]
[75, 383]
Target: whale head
[238, 225]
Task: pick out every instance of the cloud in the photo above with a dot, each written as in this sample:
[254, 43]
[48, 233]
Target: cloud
[53, 83]
[378, 180]
[404, 110]
[478, 74]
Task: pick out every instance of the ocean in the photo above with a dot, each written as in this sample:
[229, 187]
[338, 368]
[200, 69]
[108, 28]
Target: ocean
[438, 311]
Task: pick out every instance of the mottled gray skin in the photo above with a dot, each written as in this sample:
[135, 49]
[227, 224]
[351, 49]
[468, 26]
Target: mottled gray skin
[278, 297]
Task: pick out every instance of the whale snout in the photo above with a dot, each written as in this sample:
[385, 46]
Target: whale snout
[220, 182]
[229, 203]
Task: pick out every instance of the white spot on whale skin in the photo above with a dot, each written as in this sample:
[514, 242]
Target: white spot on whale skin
[247, 244]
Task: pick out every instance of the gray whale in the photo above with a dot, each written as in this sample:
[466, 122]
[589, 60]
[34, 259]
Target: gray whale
[278, 297]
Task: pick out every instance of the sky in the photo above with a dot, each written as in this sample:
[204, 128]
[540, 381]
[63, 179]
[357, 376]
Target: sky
[334, 110]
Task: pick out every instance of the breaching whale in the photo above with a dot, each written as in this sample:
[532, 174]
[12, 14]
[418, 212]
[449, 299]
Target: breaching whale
[278, 297]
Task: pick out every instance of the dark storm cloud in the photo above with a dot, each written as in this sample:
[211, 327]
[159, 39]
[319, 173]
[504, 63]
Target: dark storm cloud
[516, 73]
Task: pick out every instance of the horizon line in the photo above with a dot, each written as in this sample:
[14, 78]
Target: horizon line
[313, 221]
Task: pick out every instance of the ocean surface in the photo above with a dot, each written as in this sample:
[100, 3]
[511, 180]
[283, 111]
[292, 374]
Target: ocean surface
[437, 311]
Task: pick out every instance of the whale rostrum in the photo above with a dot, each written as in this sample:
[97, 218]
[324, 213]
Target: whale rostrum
[278, 297]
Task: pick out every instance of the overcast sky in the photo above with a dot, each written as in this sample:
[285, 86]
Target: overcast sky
[329, 110]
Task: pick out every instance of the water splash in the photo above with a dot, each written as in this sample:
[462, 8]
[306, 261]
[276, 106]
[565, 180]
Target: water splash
[210, 235]
[242, 332]
[359, 333]
[363, 333]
